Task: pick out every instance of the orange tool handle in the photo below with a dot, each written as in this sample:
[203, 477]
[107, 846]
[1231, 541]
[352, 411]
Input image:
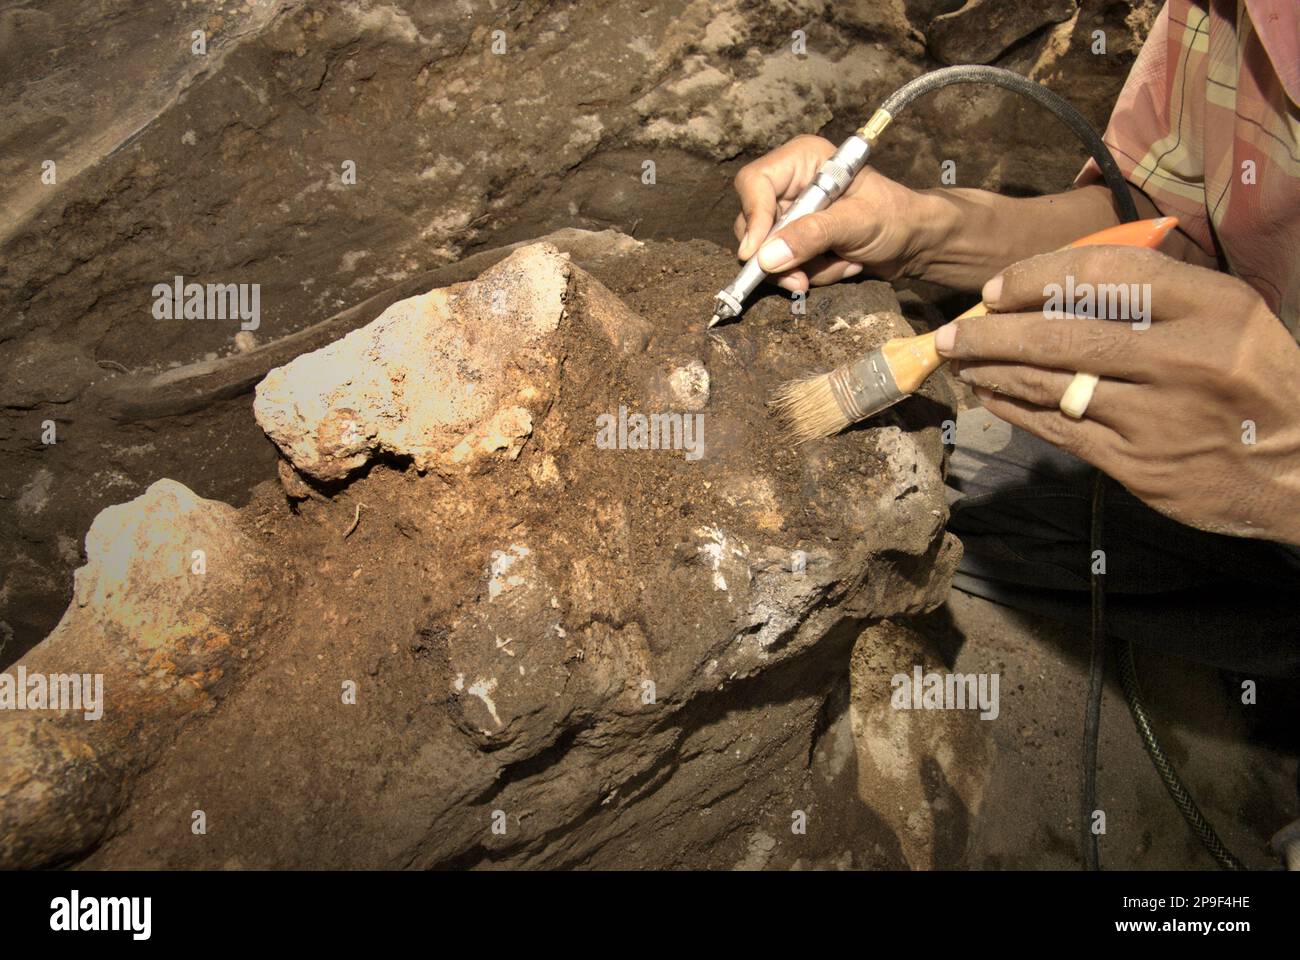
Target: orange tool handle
[912, 359]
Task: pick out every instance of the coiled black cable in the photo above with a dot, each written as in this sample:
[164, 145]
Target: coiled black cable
[1127, 211]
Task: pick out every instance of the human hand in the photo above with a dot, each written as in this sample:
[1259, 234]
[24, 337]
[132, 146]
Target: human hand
[875, 225]
[1198, 409]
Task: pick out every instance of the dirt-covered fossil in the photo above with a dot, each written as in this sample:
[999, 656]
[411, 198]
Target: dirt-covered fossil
[550, 589]
[228, 168]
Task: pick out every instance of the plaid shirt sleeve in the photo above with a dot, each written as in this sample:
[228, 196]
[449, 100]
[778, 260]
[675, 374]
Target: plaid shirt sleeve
[1156, 132]
[1208, 127]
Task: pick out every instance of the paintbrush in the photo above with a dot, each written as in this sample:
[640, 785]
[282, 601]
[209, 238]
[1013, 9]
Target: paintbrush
[825, 404]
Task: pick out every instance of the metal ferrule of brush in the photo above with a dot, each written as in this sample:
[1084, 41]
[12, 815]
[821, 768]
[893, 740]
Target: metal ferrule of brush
[832, 179]
[864, 387]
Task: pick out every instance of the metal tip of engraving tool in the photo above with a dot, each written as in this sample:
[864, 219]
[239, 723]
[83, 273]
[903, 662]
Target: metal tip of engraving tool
[721, 311]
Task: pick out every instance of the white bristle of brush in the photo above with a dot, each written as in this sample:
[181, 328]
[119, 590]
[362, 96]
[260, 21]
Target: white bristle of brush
[809, 408]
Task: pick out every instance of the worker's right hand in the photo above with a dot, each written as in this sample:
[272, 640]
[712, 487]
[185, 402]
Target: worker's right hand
[875, 225]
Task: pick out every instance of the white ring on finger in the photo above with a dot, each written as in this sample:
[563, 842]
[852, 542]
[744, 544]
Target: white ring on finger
[1077, 396]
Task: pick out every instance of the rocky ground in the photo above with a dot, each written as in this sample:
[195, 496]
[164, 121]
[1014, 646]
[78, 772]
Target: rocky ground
[437, 655]
[462, 604]
[235, 165]
[228, 167]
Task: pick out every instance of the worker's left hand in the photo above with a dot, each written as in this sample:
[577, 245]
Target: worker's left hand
[1198, 414]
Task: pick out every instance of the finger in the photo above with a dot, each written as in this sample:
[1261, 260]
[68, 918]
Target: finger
[1107, 282]
[796, 281]
[1091, 346]
[758, 225]
[758, 196]
[1087, 439]
[830, 269]
[749, 239]
[1044, 387]
[809, 236]
[817, 272]
[781, 174]
[827, 270]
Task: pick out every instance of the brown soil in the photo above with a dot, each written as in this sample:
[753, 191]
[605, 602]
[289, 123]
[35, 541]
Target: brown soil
[374, 603]
[227, 168]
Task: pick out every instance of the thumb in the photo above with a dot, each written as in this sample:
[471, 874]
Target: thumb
[804, 239]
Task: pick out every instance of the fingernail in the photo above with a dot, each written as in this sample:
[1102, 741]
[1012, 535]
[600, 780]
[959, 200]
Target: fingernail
[946, 338]
[852, 270]
[775, 255]
[992, 290]
[744, 247]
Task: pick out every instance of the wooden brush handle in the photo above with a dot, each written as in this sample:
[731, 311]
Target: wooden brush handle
[912, 359]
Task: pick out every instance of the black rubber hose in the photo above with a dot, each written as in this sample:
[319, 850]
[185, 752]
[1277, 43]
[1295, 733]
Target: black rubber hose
[1173, 783]
[1096, 680]
[1060, 107]
[1127, 210]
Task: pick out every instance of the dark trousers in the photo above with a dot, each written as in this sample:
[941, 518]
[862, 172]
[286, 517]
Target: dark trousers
[1022, 509]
